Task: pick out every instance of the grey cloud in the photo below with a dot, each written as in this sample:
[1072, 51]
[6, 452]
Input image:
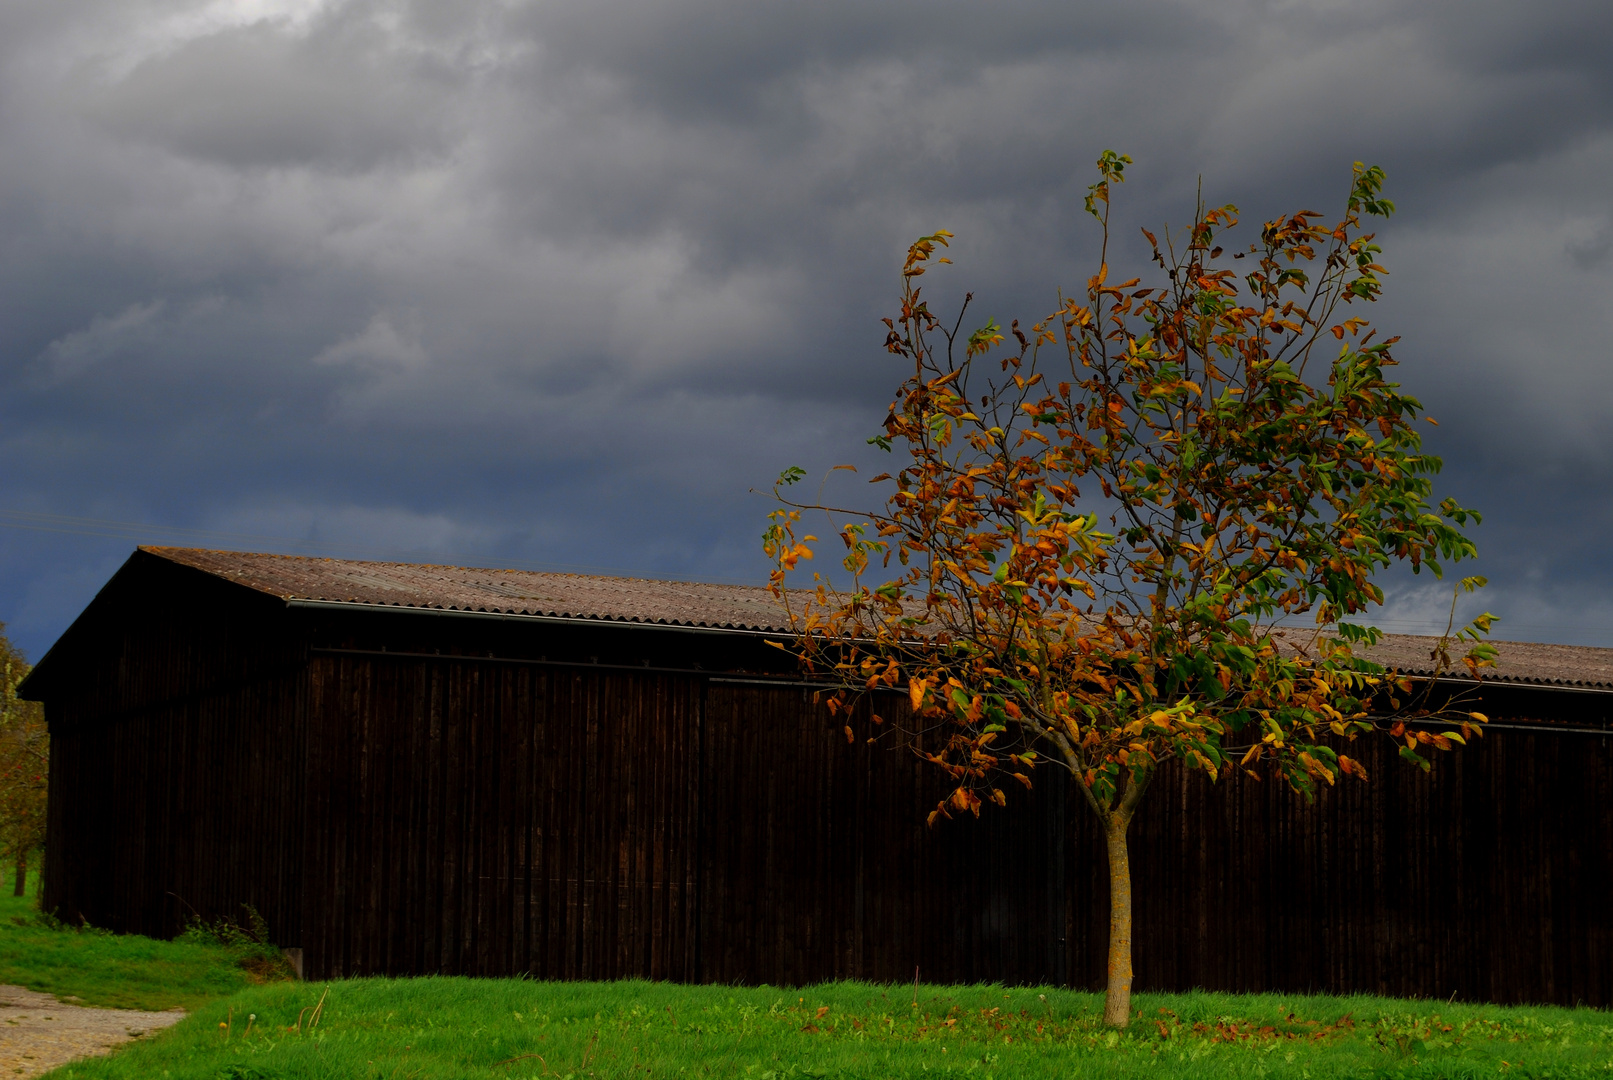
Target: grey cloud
[708, 61]
[387, 341]
[559, 283]
[1590, 243]
[73, 353]
[341, 95]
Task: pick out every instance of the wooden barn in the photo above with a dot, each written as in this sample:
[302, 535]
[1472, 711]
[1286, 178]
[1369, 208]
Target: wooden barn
[412, 769]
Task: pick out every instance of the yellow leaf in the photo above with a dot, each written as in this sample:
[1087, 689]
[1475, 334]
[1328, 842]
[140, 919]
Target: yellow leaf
[915, 690]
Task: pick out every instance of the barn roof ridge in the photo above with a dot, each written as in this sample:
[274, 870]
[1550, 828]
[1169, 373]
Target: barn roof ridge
[650, 602]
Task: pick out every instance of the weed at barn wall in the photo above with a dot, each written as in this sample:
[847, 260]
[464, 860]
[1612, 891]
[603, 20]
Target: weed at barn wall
[252, 944]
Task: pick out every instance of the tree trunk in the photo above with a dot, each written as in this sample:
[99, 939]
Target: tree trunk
[1115, 818]
[1117, 1000]
[22, 873]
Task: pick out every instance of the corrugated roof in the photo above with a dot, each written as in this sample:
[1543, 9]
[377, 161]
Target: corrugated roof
[716, 607]
[1519, 661]
[509, 592]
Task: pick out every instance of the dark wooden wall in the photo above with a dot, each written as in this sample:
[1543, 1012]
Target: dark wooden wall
[186, 808]
[817, 863]
[493, 819]
[407, 812]
[1490, 878]
[176, 766]
[478, 817]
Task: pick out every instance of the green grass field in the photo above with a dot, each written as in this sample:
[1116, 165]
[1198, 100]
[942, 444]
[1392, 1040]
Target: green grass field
[125, 972]
[383, 1028]
[509, 1029]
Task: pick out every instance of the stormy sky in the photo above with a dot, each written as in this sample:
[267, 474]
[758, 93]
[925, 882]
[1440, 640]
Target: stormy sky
[556, 284]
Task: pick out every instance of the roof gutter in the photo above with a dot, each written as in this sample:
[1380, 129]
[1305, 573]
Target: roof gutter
[785, 682]
[683, 628]
[726, 678]
[1517, 684]
[557, 620]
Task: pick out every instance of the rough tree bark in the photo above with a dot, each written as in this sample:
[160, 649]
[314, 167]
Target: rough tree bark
[1117, 996]
[1116, 820]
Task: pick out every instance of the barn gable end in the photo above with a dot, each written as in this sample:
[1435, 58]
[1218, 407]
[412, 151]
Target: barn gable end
[177, 721]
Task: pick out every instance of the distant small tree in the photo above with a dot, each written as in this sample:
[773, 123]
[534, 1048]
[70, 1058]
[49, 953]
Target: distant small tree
[24, 767]
[1248, 477]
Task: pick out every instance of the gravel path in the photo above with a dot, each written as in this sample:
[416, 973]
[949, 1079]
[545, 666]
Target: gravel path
[38, 1033]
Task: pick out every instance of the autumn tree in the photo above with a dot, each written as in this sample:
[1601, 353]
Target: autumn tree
[1144, 528]
[24, 767]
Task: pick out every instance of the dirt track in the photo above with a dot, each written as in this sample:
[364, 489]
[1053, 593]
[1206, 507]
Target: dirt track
[38, 1033]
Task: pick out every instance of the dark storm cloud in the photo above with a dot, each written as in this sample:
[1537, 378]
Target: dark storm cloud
[556, 283]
